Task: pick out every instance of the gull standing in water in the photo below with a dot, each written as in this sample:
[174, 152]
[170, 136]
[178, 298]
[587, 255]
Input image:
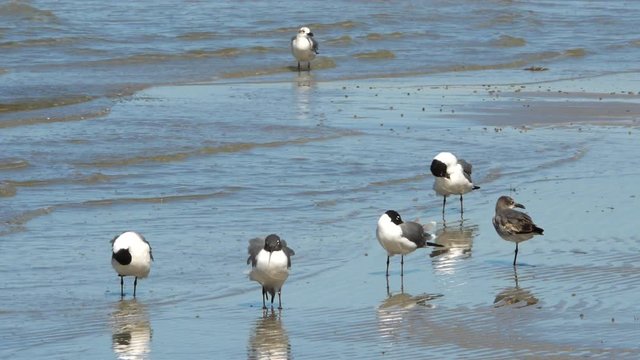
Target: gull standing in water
[513, 225]
[304, 47]
[452, 177]
[131, 256]
[270, 261]
[401, 238]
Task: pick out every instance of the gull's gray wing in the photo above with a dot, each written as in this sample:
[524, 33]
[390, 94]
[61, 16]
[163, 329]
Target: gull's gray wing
[466, 169]
[314, 44]
[414, 232]
[255, 245]
[145, 240]
[516, 222]
[288, 251]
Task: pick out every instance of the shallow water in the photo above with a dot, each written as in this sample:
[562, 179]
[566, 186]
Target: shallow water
[215, 157]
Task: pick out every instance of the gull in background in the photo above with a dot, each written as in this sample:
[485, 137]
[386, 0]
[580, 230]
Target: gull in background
[401, 238]
[131, 256]
[452, 177]
[270, 260]
[304, 47]
[513, 225]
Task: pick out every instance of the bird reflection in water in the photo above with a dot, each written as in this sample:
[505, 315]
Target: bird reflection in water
[515, 296]
[131, 330]
[394, 313]
[457, 241]
[269, 339]
[303, 85]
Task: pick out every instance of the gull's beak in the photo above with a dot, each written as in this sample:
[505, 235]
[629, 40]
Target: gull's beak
[310, 34]
[519, 206]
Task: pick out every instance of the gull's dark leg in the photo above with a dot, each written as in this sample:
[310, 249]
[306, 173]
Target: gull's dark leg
[444, 203]
[387, 266]
[461, 206]
[516, 255]
[308, 65]
[401, 265]
[121, 286]
[264, 293]
[135, 284]
[279, 300]
[273, 297]
[388, 293]
[298, 66]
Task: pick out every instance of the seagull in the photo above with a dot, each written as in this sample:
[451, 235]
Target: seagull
[513, 225]
[452, 177]
[270, 260]
[131, 257]
[398, 237]
[304, 47]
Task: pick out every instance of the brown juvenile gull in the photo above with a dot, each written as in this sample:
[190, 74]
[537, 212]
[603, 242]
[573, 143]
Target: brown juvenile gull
[513, 225]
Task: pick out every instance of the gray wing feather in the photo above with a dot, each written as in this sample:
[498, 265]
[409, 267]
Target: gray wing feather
[255, 245]
[516, 222]
[414, 232]
[314, 44]
[466, 169]
[288, 251]
[145, 240]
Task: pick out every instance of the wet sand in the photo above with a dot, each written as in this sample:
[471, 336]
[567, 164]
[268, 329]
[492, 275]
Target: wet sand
[350, 150]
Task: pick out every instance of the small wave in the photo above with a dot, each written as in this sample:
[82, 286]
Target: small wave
[153, 199]
[207, 150]
[49, 120]
[347, 24]
[342, 40]
[318, 63]
[18, 9]
[37, 104]
[577, 52]
[378, 36]
[577, 155]
[90, 179]
[225, 52]
[389, 182]
[27, 216]
[492, 175]
[150, 58]
[197, 35]
[18, 222]
[7, 189]
[376, 55]
[508, 41]
[38, 42]
[12, 164]
[501, 19]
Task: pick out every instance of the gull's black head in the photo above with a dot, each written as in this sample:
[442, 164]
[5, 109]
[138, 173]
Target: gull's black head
[123, 256]
[272, 243]
[394, 216]
[439, 169]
